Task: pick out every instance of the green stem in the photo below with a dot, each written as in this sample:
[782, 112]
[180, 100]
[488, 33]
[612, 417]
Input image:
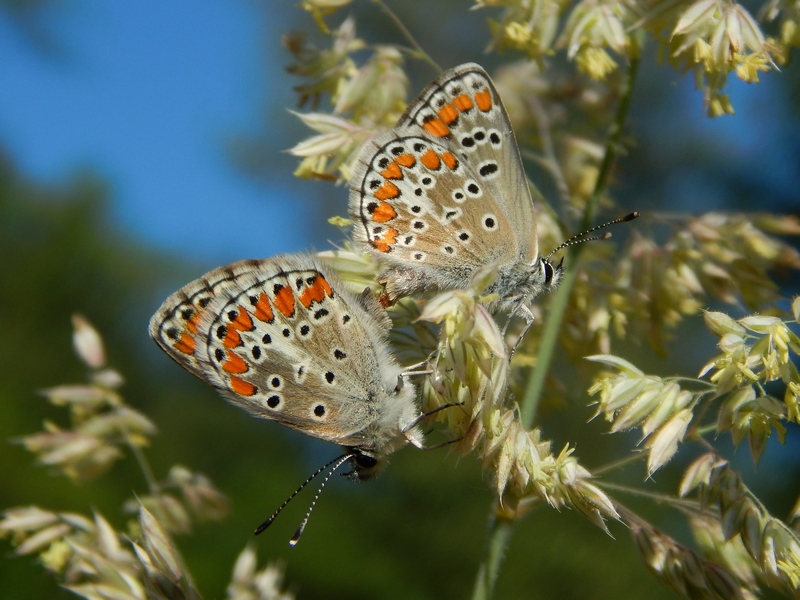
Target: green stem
[500, 532]
[147, 472]
[662, 498]
[706, 429]
[618, 464]
[499, 536]
[407, 34]
[558, 306]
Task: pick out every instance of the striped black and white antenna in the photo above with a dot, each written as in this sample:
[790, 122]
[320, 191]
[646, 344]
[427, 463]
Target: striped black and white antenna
[332, 466]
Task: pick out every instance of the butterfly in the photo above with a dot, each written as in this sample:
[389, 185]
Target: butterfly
[444, 194]
[282, 339]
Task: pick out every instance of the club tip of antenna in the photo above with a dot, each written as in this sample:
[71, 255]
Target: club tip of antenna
[630, 217]
[263, 527]
[296, 536]
[605, 236]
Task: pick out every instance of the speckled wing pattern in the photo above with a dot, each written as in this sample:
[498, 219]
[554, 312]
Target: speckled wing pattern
[280, 339]
[445, 192]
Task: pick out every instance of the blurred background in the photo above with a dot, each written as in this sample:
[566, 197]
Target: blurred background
[130, 131]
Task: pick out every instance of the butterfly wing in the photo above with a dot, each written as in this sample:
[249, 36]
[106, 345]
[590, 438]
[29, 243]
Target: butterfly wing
[462, 106]
[281, 339]
[450, 164]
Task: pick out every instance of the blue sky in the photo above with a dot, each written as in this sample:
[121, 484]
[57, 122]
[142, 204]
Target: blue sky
[147, 94]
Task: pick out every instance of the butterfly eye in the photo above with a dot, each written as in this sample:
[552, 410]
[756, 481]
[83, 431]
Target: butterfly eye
[365, 461]
[548, 272]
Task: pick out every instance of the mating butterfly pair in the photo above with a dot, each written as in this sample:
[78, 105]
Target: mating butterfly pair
[436, 198]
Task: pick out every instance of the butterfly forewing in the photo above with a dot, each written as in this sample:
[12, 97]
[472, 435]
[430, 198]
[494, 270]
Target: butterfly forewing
[444, 192]
[418, 203]
[277, 338]
[463, 107]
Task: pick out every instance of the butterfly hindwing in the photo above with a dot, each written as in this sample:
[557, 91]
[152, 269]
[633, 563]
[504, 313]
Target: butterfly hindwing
[277, 338]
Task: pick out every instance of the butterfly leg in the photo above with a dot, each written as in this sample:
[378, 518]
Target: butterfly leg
[401, 379]
[528, 316]
[442, 444]
[417, 421]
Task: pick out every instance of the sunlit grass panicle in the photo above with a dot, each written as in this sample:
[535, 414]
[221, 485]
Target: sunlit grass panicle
[470, 364]
[471, 371]
[756, 350]
[199, 500]
[333, 150]
[728, 257]
[714, 38]
[88, 556]
[598, 306]
[366, 100]
[592, 27]
[630, 399]
[787, 13]
[728, 553]
[771, 544]
[324, 69]
[683, 570]
[249, 584]
[320, 9]
[357, 270]
[102, 428]
[525, 25]
[376, 94]
[102, 425]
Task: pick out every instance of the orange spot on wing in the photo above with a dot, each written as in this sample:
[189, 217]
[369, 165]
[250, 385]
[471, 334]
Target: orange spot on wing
[484, 100]
[191, 324]
[263, 309]
[406, 160]
[463, 102]
[243, 322]
[325, 286]
[383, 213]
[431, 160]
[242, 387]
[232, 338]
[385, 242]
[450, 160]
[185, 344]
[235, 364]
[314, 292]
[284, 301]
[448, 114]
[436, 127]
[386, 191]
[392, 171]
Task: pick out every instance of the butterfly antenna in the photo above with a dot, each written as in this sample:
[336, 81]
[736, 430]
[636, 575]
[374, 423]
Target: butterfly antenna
[338, 463]
[296, 537]
[581, 237]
